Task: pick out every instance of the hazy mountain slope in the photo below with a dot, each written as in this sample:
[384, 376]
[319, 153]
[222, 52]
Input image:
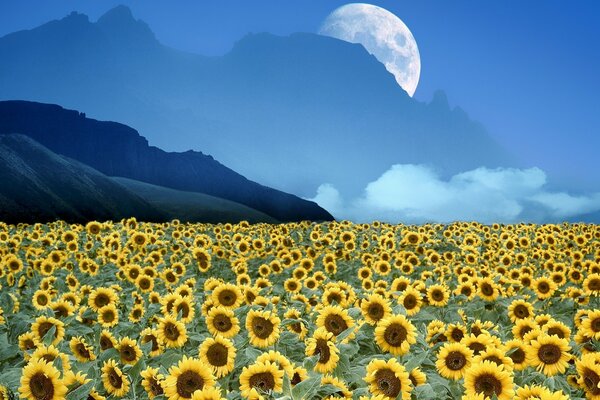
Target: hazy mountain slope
[191, 206]
[39, 185]
[117, 150]
[291, 112]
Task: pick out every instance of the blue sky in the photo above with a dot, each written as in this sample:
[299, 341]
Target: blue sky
[526, 70]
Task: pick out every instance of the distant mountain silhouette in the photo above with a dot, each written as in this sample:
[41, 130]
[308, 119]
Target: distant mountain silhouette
[41, 186]
[291, 112]
[117, 150]
[192, 206]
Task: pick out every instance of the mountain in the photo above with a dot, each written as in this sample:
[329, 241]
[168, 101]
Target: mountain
[117, 150]
[39, 186]
[291, 112]
[191, 206]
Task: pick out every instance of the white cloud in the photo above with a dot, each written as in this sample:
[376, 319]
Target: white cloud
[416, 194]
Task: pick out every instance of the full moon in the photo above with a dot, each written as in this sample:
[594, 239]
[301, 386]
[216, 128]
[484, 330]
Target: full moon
[383, 35]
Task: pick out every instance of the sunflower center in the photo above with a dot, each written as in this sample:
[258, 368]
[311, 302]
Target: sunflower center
[477, 347]
[262, 327]
[115, 379]
[409, 302]
[296, 379]
[263, 381]
[521, 311]
[322, 350]
[487, 289]
[171, 331]
[496, 360]
[108, 316]
[457, 334]
[456, 360]
[155, 387]
[388, 383]
[227, 297]
[296, 327]
[594, 284]
[395, 334]
[591, 381]
[518, 356]
[105, 343]
[437, 295]
[184, 309]
[376, 311]
[101, 300]
[558, 332]
[41, 386]
[44, 328]
[222, 323]
[335, 324]
[153, 339]
[488, 384]
[543, 287]
[217, 355]
[82, 350]
[42, 300]
[188, 382]
[128, 353]
[549, 353]
[596, 324]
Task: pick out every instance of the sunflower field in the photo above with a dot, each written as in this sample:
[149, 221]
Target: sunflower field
[297, 311]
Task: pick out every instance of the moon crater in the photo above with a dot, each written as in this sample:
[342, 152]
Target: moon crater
[383, 35]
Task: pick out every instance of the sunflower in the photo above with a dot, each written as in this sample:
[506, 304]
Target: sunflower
[497, 355]
[589, 376]
[477, 343]
[395, 334]
[264, 377]
[43, 325]
[590, 326]
[487, 289]
[417, 377]
[411, 299]
[279, 359]
[438, 295]
[322, 344]
[538, 392]
[524, 326]
[41, 299]
[107, 340]
[209, 393]
[591, 285]
[222, 321]
[152, 335]
[374, 308]
[219, 354]
[152, 382]
[189, 375]
[336, 320]
[113, 379]
[50, 354]
[129, 351]
[184, 307]
[490, 380]
[544, 287]
[517, 351]
[297, 327]
[108, 316]
[520, 309]
[455, 332]
[81, 350]
[262, 327]
[41, 381]
[340, 386]
[102, 297]
[388, 378]
[549, 354]
[453, 360]
[558, 329]
[172, 332]
[227, 295]
[300, 375]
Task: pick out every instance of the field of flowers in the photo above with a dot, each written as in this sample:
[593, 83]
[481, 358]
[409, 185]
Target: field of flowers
[299, 311]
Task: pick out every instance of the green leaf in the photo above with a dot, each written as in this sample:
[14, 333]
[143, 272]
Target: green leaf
[49, 336]
[82, 392]
[306, 389]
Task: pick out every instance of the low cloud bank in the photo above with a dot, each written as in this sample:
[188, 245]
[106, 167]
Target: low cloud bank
[417, 194]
